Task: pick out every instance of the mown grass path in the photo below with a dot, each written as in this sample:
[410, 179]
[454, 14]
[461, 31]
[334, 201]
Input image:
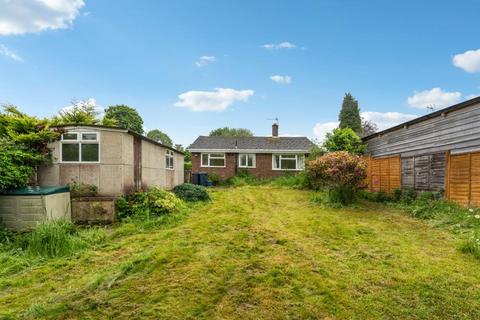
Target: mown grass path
[259, 253]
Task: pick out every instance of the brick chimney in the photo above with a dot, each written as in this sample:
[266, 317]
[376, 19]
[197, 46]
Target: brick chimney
[275, 129]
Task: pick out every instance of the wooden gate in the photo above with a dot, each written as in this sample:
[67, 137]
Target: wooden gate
[383, 174]
[463, 179]
[424, 172]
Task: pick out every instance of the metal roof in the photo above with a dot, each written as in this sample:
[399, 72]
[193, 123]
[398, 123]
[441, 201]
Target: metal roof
[252, 143]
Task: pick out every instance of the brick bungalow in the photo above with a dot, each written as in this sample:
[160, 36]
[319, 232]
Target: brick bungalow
[263, 157]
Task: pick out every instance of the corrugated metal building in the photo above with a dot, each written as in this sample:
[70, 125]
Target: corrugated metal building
[439, 151]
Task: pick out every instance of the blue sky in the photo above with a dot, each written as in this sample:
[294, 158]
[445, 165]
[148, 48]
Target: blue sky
[191, 66]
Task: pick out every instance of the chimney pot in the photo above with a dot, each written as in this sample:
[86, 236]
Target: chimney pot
[275, 130]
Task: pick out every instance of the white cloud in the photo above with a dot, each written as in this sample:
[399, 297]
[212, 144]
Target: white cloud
[91, 102]
[321, 129]
[385, 120]
[435, 97]
[471, 96]
[281, 79]
[27, 16]
[468, 61]
[218, 100]
[281, 45]
[5, 51]
[204, 60]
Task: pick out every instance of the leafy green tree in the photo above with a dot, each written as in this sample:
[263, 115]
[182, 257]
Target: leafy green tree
[349, 116]
[82, 112]
[160, 136]
[231, 132]
[125, 117]
[344, 140]
[23, 146]
[315, 152]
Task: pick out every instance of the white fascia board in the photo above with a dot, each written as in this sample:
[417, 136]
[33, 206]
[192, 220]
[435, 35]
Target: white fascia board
[245, 151]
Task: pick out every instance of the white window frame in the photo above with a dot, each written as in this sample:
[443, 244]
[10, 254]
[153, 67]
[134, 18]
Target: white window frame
[79, 141]
[210, 157]
[169, 155]
[254, 160]
[297, 161]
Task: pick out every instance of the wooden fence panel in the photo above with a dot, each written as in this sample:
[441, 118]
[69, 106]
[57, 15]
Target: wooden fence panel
[408, 172]
[375, 172]
[422, 169]
[394, 173]
[384, 174]
[437, 171]
[459, 178]
[475, 179]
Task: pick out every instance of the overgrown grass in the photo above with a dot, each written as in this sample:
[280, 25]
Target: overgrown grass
[256, 253]
[438, 212]
[297, 181]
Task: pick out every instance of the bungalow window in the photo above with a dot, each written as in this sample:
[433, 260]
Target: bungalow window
[80, 147]
[288, 162]
[246, 160]
[213, 159]
[169, 159]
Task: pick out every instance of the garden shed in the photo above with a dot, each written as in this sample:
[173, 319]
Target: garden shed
[435, 152]
[22, 209]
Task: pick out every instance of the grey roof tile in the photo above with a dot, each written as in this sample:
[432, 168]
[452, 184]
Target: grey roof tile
[251, 143]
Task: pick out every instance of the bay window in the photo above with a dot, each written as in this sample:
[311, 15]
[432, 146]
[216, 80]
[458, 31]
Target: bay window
[80, 147]
[288, 162]
[213, 159]
[246, 160]
[169, 159]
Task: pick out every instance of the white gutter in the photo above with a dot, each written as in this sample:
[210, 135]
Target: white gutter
[247, 151]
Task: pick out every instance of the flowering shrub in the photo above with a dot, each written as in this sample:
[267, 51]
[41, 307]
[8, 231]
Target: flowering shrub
[341, 172]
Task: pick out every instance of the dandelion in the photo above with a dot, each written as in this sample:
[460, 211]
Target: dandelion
[477, 216]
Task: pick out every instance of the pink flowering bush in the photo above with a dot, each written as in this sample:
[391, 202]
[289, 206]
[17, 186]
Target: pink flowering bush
[341, 172]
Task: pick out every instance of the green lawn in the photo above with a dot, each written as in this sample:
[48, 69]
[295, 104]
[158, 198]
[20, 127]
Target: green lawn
[258, 253]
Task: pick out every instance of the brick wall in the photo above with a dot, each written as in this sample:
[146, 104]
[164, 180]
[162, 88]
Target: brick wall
[263, 168]
[224, 173]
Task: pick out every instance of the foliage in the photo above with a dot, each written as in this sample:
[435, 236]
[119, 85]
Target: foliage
[214, 178]
[315, 152]
[191, 192]
[295, 181]
[153, 202]
[82, 112]
[244, 178]
[188, 156]
[342, 173]
[368, 127]
[187, 166]
[83, 190]
[472, 244]
[344, 140]
[125, 117]
[160, 136]
[231, 132]
[58, 238]
[349, 116]
[23, 146]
